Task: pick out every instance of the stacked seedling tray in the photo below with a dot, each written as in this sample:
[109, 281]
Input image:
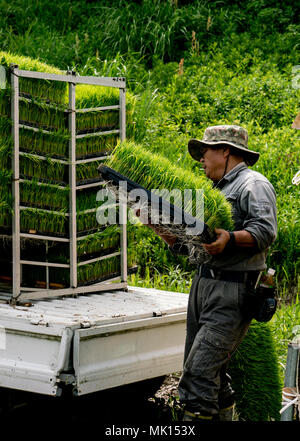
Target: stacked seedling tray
[55, 130]
[203, 207]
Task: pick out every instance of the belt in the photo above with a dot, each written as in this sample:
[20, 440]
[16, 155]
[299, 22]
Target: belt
[249, 277]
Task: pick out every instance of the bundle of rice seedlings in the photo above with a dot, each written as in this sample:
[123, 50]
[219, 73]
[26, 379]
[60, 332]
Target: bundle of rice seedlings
[42, 169]
[104, 269]
[48, 90]
[5, 127]
[153, 171]
[98, 271]
[54, 144]
[46, 196]
[42, 115]
[255, 373]
[104, 242]
[97, 120]
[87, 172]
[86, 199]
[5, 153]
[43, 222]
[87, 222]
[95, 145]
[88, 96]
[5, 214]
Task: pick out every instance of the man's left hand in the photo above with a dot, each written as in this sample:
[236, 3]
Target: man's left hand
[218, 246]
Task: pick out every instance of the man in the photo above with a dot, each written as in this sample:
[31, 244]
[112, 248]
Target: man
[217, 316]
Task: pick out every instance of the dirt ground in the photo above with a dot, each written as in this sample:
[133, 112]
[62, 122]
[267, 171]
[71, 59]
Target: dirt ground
[140, 402]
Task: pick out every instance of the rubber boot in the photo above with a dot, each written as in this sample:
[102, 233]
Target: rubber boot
[226, 414]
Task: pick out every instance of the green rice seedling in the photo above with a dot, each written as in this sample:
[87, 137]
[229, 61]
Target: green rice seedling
[87, 171]
[95, 145]
[5, 126]
[35, 167]
[99, 270]
[55, 144]
[44, 195]
[87, 222]
[86, 199]
[255, 373]
[89, 96]
[5, 153]
[5, 104]
[103, 241]
[42, 115]
[5, 181]
[155, 172]
[42, 221]
[49, 90]
[5, 214]
[97, 120]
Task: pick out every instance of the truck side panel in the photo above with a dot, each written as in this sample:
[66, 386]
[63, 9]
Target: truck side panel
[114, 355]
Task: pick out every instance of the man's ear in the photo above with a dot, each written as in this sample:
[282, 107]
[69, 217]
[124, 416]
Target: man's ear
[226, 152]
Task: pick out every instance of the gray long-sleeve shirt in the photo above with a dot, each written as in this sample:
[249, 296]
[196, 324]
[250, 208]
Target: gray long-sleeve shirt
[253, 200]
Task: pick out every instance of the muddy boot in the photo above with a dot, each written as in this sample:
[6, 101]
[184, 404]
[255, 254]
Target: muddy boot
[226, 414]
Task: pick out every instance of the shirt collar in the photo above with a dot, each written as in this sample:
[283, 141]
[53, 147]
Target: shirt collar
[230, 176]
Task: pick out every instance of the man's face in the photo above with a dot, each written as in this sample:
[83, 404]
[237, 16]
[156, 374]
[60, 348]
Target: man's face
[214, 161]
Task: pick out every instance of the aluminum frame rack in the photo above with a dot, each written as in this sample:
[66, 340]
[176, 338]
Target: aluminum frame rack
[22, 293]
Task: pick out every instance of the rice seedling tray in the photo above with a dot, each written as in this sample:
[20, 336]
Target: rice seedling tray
[159, 204]
[82, 182]
[94, 155]
[89, 256]
[131, 270]
[34, 232]
[100, 279]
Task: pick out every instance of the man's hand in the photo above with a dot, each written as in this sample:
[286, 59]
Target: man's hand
[218, 246]
[242, 239]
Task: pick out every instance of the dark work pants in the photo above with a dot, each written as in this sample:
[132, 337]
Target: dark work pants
[215, 327]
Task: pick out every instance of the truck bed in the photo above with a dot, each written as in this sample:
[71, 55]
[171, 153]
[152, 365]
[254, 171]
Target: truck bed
[93, 341]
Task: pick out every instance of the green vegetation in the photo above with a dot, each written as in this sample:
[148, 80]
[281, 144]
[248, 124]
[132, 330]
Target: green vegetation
[255, 373]
[189, 65]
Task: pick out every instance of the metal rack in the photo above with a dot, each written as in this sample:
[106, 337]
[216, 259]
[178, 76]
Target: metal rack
[19, 292]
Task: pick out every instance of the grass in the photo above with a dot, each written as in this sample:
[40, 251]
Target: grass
[255, 373]
[238, 60]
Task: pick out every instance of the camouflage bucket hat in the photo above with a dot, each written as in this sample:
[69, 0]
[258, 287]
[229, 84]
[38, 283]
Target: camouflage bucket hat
[234, 136]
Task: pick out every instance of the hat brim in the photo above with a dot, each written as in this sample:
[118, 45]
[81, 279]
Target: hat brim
[195, 147]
